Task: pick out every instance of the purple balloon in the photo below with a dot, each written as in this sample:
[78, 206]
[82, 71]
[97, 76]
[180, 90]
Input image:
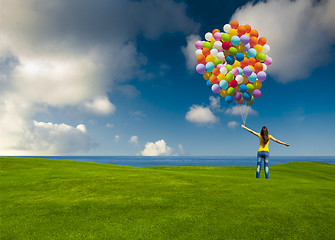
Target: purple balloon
[247, 71]
[261, 76]
[256, 93]
[216, 88]
[247, 47]
[201, 69]
[238, 96]
[220, 65]
[244, 39]
[268, 60]
[198, 44]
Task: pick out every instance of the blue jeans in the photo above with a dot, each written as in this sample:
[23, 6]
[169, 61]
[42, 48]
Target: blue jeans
[262, 155]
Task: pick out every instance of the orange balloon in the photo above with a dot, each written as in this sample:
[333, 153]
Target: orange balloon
[254, 33]
[248, 28]
[253, 41]
[216, 71]
[252, 61]
[234, 24]
[262, 41]
[241, 30]
[206, 51]
[244, 63]
[258, 66]
[214, 31]
[201, 58]
[214, 79]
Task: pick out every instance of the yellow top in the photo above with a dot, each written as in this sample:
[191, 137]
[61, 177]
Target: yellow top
[263, 147]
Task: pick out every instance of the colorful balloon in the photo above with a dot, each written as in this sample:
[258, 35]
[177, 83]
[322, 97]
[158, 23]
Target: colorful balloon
[201, 69]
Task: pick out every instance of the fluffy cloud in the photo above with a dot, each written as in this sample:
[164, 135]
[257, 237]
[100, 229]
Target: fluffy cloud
[215, 104]
[232, 124]
[189, 52]
[240, 109]
[296, 32]
[133, 140]
[52, 57]
[158, 148]
[116, 138]
[201, 115]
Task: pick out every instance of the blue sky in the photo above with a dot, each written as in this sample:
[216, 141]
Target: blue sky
[116, 78]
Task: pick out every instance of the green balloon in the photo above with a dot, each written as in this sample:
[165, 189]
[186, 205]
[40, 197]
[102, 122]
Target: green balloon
[261, 57]
[229, 76]
[225, 37]
[251, 100]
[229, 67]
[233, 51]
[217, 61]
[207, 45]
[250, 88]
[231, 91]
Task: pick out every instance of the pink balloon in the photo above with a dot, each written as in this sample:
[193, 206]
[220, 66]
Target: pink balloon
[235, 71]
[268, 61]
[256, 93]
[217, 36]
[220, 65]
[198, 44]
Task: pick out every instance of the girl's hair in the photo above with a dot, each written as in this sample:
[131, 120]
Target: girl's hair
[265, 135]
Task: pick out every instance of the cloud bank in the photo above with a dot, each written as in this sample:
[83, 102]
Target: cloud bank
[158, 148]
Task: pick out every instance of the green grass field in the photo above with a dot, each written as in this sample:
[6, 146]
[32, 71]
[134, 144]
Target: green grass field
[57, 199]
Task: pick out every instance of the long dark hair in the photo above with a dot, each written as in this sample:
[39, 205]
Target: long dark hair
[265, 135]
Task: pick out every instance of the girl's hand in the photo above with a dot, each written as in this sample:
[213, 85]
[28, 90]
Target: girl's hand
[286, 144]
[242, 126]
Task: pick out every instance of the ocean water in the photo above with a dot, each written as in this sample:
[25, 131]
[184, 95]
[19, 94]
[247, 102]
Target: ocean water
[140, 161]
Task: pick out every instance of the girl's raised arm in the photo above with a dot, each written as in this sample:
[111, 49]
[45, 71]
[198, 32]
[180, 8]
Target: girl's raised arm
[277, 141]
[248, 129]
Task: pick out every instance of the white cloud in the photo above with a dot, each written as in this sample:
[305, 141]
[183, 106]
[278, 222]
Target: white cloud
[100, 106]
[296, 32]
[109, 125]
[215, 104]
[181, 149]
[201, 115]
[232, 124]
[116, 138]
[189, 51]
[240, 109]
[133, 140]
[158, 148]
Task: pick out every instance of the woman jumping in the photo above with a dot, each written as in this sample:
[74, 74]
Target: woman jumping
[263, 151]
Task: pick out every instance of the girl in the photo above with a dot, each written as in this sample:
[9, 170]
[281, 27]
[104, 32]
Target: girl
[263, 151]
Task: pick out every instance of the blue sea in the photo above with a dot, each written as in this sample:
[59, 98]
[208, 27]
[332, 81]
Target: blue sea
[140, 161]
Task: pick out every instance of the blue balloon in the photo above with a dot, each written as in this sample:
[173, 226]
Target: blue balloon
[251, 53]
[243, 88]
[235, 40]
[228, 99]
[252, 78]
[246, 96]
[239, 57]
[210, 66]
[230, 59]
[209, 84]
[223, 84]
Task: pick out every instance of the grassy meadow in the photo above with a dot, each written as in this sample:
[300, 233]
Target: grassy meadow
[58, 199]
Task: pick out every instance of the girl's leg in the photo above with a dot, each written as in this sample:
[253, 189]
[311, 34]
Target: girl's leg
[266, 165]
[259, 165]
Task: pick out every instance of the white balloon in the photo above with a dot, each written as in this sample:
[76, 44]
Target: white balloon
[266, 48]
[199, 51]
[220, 56]
[239, 79]
[208, 36]
[214, 52]
[264, 67]
[227, 28]
[223, 70]
[218, 45]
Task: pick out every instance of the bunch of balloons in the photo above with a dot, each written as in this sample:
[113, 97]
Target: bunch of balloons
[234, 62]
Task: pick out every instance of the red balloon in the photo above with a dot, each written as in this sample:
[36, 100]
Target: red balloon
[226, 45]
[233, 83]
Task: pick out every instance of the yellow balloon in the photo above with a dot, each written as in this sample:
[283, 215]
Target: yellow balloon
[223, 93]
[252, 67]
[213, 41]
[210, 58]
[240, 48]
[207, 75]
[258, 48]
[245, 80]
[232, 32]
[221, 76]
[237, 89]
[257, 84]
[236, 64]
